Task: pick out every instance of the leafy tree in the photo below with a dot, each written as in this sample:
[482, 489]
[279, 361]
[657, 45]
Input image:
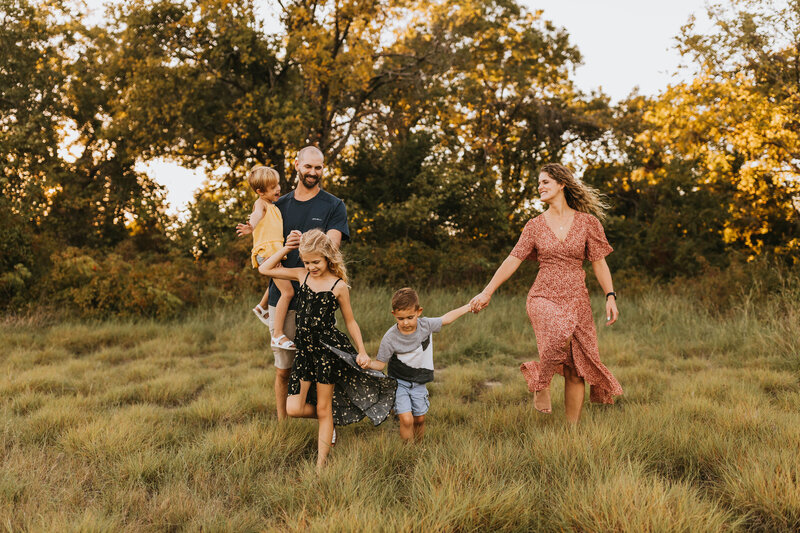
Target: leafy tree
[54, 86]
[32, 75]
[205, 84]
[448, 169]
[709, 167]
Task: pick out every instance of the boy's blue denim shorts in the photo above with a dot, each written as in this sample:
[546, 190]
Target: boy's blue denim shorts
[412, 397]
[260, 259]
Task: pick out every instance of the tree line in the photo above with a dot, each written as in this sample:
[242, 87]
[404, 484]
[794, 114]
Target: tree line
[434, 118]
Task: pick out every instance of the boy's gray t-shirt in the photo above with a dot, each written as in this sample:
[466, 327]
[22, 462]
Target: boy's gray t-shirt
[410, 357]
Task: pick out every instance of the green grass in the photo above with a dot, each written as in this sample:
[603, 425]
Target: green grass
[146, 426]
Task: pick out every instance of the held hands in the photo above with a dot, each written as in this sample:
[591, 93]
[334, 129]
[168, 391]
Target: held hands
[244, 229]
[612, 314]
[363, 360]
[479, 302]
[293, 240]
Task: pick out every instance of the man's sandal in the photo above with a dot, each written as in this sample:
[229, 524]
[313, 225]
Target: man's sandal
[262, 314]
[285, 344]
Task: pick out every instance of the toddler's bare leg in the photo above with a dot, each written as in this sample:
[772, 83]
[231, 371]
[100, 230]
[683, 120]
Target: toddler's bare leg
[287, 292]
[264, 299]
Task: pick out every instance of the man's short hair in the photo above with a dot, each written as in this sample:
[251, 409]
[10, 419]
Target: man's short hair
[309, 150]
[405, 298]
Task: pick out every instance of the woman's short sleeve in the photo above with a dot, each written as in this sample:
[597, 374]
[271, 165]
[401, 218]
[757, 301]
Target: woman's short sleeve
[597, 246]
[526, 245]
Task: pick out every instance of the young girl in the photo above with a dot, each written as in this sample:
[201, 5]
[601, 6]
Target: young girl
[324, 372]
[266, 225]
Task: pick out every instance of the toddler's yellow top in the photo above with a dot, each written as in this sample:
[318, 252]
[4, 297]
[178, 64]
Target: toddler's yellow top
[268, 234]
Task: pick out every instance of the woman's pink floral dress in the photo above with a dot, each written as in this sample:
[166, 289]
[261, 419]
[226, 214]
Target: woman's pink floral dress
[558, 304]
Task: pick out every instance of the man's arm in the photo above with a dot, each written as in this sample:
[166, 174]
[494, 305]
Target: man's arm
[337, 228]
[451, 316]
[335, 236]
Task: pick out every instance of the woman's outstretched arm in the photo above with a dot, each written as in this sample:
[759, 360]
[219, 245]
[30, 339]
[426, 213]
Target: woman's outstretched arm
[509, 266]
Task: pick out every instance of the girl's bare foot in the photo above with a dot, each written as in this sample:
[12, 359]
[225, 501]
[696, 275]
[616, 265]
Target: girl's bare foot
[541, 401]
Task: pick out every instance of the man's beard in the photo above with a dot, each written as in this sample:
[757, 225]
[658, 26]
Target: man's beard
[309, 180]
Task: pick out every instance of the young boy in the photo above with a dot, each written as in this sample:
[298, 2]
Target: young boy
[408, 349]
[266, 225]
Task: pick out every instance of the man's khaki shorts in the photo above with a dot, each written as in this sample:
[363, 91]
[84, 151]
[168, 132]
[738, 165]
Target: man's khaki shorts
[283, 358]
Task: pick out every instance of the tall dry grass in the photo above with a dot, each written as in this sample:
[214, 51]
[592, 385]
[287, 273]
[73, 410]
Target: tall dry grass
[147, 426]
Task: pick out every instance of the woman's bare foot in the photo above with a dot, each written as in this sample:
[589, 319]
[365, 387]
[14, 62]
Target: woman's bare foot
[541, 401]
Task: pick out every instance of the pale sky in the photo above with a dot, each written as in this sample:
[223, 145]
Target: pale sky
[626, 44]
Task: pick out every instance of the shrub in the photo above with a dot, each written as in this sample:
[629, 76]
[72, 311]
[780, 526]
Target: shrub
[17, 258]
[99, 287]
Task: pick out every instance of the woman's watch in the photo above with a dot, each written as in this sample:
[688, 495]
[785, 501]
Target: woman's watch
[612, 293]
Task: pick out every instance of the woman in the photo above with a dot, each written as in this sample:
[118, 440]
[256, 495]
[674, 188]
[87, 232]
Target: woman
[558, 303]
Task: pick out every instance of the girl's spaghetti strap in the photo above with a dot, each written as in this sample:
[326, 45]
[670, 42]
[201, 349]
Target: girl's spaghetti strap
[335, 282]
[306, 278]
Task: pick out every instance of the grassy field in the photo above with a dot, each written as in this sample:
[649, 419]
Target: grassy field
[121, 426]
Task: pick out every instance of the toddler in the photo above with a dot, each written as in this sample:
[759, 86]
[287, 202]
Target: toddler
[266, 225]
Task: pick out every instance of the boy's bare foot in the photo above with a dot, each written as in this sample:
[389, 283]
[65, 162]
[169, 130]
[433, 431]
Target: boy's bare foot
[541, 401]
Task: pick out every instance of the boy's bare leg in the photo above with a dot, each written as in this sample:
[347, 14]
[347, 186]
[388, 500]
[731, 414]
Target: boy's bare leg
[287, 292]
[419, 427]
[325, 419]
[406, 426]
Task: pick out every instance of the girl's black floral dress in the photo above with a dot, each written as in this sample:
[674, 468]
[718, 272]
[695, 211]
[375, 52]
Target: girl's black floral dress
[325, 355]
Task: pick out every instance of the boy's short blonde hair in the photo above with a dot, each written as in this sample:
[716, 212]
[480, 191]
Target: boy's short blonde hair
[262, 178]
[405, 298]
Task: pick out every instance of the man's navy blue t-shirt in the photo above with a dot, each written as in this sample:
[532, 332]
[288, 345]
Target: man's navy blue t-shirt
[324, 212]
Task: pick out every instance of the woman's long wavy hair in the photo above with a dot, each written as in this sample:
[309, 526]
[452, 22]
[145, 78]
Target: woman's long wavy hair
[579, 196]
[316, 242]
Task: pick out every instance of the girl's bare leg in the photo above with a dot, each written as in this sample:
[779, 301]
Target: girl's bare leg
[296, 405]
[325, 418]
[287, 292]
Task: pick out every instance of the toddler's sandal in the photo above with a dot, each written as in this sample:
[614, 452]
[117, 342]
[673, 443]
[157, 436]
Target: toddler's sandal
[262, 314]
[285, 344]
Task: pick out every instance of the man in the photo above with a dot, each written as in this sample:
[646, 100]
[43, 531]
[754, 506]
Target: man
[305, 208]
